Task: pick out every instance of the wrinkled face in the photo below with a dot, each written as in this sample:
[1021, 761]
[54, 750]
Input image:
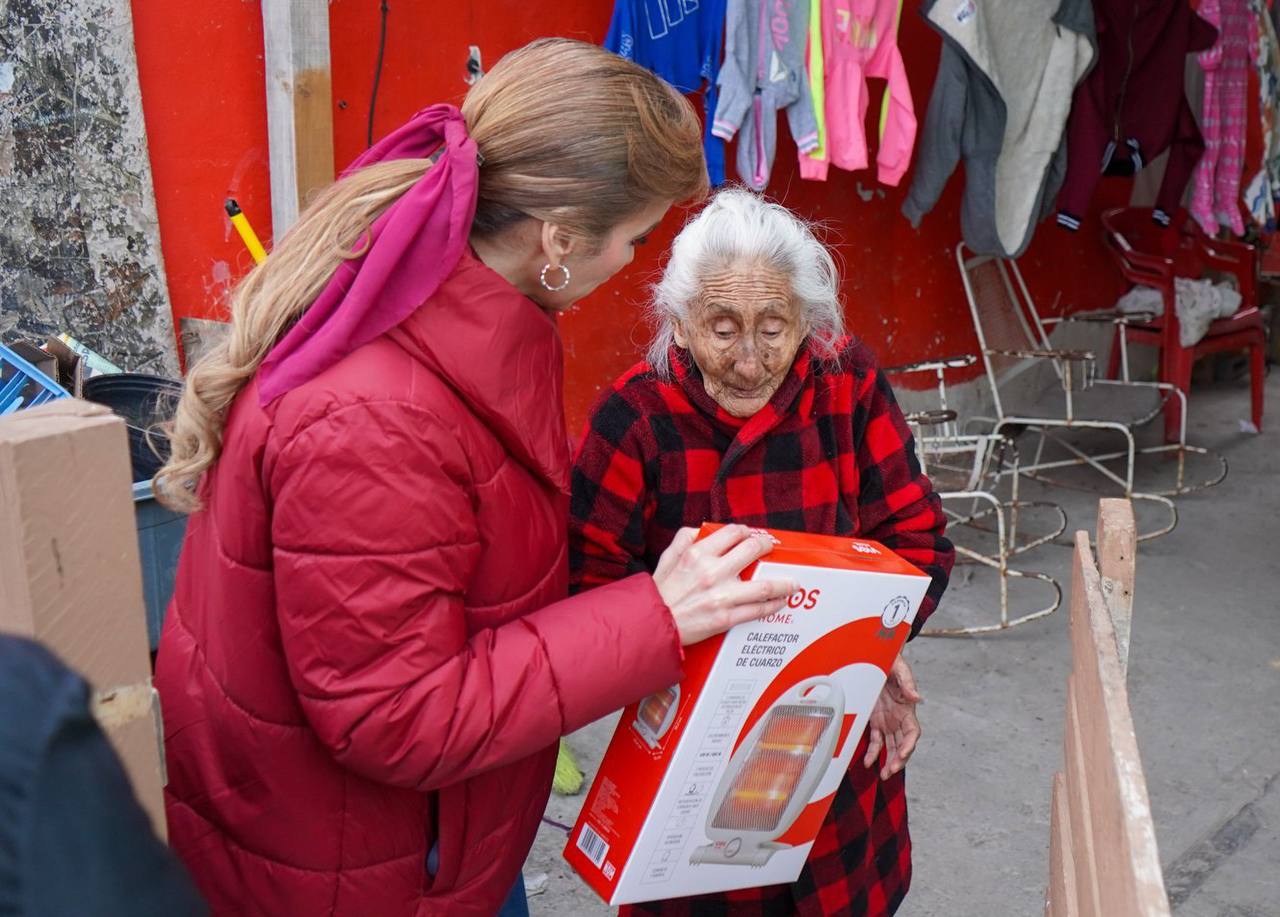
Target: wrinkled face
[743, 332]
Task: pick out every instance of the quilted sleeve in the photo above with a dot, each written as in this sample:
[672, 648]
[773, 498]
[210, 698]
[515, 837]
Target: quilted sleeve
[896, 502]
[375, 541]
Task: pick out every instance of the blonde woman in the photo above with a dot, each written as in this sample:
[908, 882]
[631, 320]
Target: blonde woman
[369, 657]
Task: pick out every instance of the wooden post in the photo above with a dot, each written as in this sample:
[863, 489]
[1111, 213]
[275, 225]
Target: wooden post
[1061, 900]
[1103, 856]
[299, 104]
[1117, 552]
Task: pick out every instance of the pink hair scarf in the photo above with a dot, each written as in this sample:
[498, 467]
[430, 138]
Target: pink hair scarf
[408, 252]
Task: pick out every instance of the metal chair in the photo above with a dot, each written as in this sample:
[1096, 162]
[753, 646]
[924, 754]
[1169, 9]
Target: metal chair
[959, 465]
[1036, 388]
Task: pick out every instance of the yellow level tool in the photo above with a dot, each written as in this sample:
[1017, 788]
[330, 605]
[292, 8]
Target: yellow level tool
[247, 235]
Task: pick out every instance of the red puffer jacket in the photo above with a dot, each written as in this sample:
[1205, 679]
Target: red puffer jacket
[369, 650]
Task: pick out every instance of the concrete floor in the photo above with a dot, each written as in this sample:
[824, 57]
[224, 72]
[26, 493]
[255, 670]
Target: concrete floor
[1204, 681]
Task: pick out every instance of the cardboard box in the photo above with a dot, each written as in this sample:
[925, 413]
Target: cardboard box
[722, 781]
[71, 368]
[69, 571]
[57, 361]
[40, 359]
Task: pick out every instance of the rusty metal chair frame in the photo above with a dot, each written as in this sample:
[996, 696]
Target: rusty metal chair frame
[1076, 372]
[970, 459]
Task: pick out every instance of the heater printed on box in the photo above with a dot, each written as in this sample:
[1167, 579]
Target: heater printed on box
[722, 782]
[773, 774]
[656, 713]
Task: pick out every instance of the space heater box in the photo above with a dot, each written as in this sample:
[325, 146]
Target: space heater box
[722, 781]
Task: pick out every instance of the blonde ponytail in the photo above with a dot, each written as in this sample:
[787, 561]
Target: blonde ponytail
[264, 306]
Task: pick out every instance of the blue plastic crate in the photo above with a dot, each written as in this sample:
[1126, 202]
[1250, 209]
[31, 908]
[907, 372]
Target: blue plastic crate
[22, 385]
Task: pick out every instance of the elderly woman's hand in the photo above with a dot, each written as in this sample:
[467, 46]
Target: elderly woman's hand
[700, 584]
[893, 722]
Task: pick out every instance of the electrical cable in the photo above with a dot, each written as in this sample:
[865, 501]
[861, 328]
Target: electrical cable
[377, 70]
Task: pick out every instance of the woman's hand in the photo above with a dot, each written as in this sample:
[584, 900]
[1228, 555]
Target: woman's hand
[699, 582]
[893, 721]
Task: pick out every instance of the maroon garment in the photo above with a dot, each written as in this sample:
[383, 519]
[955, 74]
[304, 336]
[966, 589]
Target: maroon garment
[369, 650]
[1132, 106]
[830, 454]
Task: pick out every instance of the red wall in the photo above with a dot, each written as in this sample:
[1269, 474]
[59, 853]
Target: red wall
[202, 77]
[200, 66]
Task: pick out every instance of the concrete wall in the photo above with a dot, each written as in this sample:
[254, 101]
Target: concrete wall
[79, 248]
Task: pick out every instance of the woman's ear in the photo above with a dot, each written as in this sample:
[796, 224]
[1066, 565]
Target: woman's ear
[557, 243]
[678, 333]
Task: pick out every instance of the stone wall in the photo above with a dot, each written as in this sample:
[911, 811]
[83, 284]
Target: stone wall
[79, 243]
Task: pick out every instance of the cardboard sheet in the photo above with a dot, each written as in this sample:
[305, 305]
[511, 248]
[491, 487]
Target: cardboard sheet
[69, 569]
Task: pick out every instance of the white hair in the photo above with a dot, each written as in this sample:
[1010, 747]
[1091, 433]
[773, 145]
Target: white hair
[740, 226]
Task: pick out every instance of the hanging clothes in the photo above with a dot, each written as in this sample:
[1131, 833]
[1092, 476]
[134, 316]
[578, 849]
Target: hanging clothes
[763, 72]
[1132, 107]
[816, 63]
[1264, 189]
[1216, 198]
[1001, 101]
[859, 40]
[681, 41]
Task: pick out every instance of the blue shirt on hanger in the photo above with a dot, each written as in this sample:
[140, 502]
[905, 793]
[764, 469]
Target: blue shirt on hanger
[682, 41]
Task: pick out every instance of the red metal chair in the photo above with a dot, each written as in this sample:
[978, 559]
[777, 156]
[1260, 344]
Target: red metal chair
[1151, 255]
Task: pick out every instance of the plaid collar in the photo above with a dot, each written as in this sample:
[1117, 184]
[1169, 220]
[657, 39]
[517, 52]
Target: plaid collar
[793, 397]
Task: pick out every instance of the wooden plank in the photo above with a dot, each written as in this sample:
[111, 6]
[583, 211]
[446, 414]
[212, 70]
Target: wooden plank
[1088, 896]
[1117, 556]
[299, 104]
[1061, 900]
[1123, 835]
[201, 335]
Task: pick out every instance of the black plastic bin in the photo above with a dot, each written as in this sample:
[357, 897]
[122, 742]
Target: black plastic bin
[143, 401]
[160, 535]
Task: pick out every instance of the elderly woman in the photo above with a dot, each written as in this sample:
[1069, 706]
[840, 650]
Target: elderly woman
[753, 407]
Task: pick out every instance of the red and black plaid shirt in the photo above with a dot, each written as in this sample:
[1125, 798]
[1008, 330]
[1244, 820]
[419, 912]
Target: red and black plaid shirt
[830, 454]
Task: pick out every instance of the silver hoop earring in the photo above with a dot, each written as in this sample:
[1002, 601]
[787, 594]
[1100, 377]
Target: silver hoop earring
[542, 278]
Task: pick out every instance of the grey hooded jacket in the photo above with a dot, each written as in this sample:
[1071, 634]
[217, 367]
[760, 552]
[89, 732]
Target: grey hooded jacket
[1005, 82]
[764, 71]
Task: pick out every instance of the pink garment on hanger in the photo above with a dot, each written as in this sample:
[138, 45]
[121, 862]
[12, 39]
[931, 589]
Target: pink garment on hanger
[860, 40]
[1216, 198]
